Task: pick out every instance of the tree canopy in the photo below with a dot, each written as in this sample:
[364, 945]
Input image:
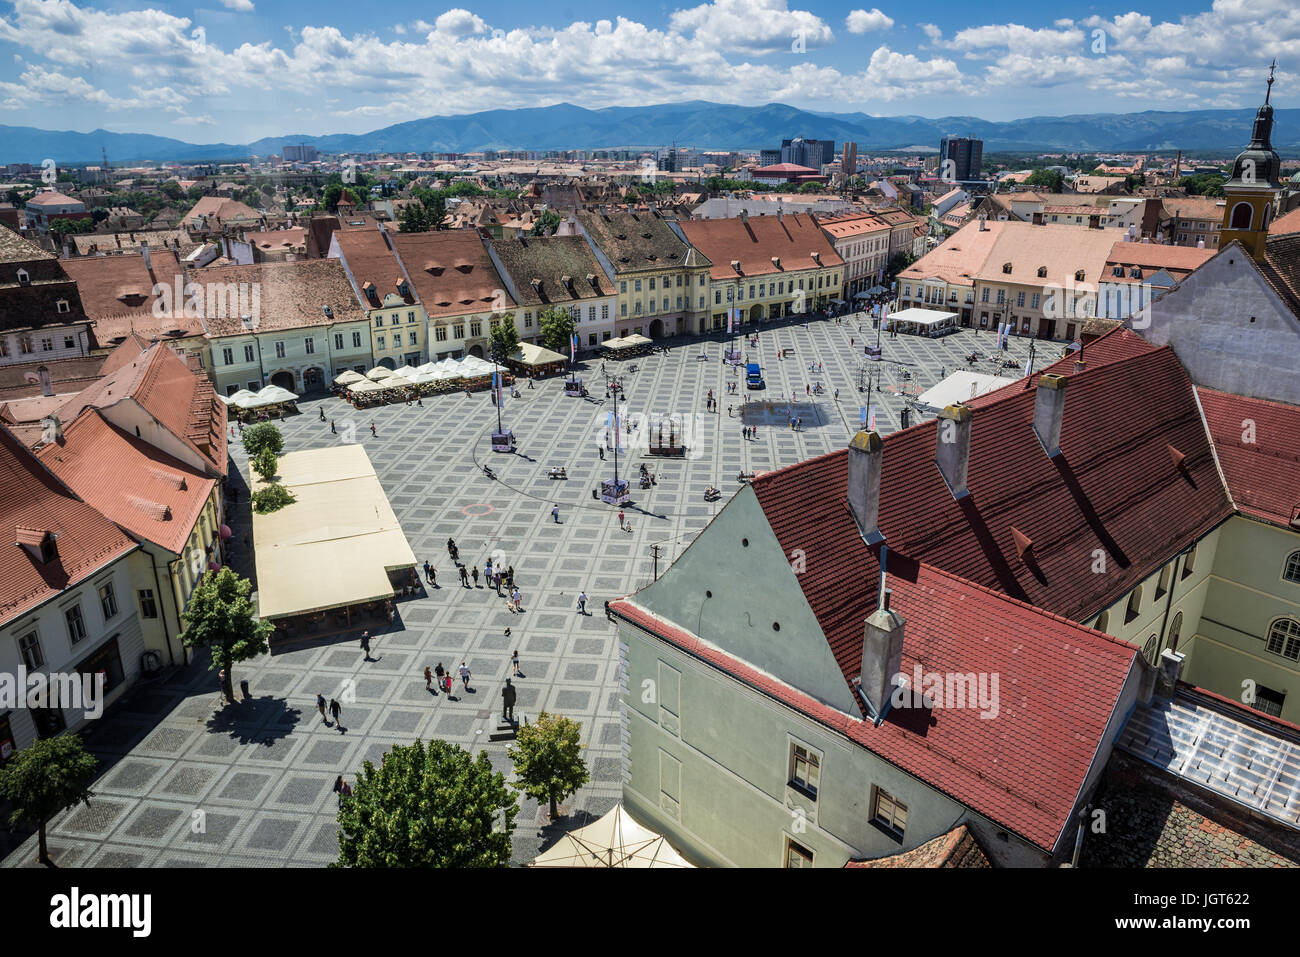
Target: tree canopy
[264, 435]
[1052, 179]
[220, 618]
[1202, 184]
[557, 326]
[548, 760]
[47, 777]
[503, 338]
[546, 224]
[427, 806]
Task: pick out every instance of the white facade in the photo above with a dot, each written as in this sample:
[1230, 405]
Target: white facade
[44, 345]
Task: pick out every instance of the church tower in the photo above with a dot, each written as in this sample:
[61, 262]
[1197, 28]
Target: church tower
[1254, 186]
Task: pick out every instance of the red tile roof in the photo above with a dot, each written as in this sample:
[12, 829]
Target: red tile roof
[754, 243]
[1114, 490]
[1263, 474]
[32, 500]
[182, 400]
[150, 495]
[451, 271]
[1058, 682]
[370, 260]
[1285, 224]
[957, 848]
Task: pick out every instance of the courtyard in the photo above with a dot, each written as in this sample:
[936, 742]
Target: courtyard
[185, 783]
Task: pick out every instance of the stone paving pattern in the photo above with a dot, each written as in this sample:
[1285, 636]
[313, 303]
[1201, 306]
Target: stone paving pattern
[261, 772]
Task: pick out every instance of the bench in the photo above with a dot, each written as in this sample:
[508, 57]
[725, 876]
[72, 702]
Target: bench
[557, 472]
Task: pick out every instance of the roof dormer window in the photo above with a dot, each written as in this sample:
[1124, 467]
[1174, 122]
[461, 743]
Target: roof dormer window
[1078, 276]
[24, 279]
[62, 306]
[1042, 272]
[1006, 268]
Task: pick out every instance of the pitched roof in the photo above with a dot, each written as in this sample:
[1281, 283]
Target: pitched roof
[146, 492]
[1115, 488]
[756, 240]
[1256, 442]
[959, 259]
[1194, 207]
[182, 400]
[219, 209]
[121, 286]
[957, 848]
[634, 241]
[1178, 261]
[853, 224]
[371, 262]
[1280, 268]
[451, 272]
[52, 199]
[1285, 224]
[292, 295]
[538, 269]
[1058, 681]
[33, 502]
[16, 249]
[1062, 250]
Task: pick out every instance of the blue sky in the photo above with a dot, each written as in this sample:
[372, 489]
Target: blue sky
[236, 70]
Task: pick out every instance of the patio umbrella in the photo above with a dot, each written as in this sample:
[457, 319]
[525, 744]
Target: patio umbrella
[379, 373]
[348, 377]
[238, 399]
[613, 841]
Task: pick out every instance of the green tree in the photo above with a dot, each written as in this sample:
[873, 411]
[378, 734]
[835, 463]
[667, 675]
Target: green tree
[68, 227]
[434, 806]
[264, 435]
[1202, 184]
[546, 224]
[1049, 178]
[503, 338]
[172, 190]
[897, 263]
[557, 326]
[548, 760]
[45, 778]
[413, 219]
[264, 463]
[271, 498]
[220, 618]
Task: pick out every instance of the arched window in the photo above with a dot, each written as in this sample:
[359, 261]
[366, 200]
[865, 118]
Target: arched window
[1042, 272]
[1291, 572]
[1006, 268]
[1175, 632]
[1150, 648]
[1134, 604]
[1103, 621]
[1241, 216]
[1284, 638]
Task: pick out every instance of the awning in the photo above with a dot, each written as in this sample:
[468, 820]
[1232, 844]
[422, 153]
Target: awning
[396, 382]
[378, 374]
[365, 385]
[348, 377]
[532, 355]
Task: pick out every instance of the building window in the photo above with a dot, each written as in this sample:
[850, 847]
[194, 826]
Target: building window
[248, 353]
[528, 320]
[1269, 701]
[796, 855]
[76, 624]
[397, 339]
[379, 322]
[889, 814]
[1241, 214]
[106, 661]
[1284, 638]
[1103, 621]
[1020, 300]
[984, 295]
[108, 601]
[1292, 570]
[356, 340]
[23, 278]
[440, 333]
[458, 330]
[279, 350]
[228, 356]
[805, 769]
[47, 344]
[604, 311]
[309, 344]
[69, 342]
[1134, 605]
[1162, 585]
[380, 342]
[29, 647]
[652, 282]
[475, 328]
[1189, 563]
[148, 607]
[622, 286]
[717, 297]
[62, 306]
[410, 317]
[622, 309]
[638, 285]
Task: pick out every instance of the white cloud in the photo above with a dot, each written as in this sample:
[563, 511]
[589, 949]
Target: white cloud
[751, 25]
[932, 32]
[243, 6]
[1018, 39]
[864, 21]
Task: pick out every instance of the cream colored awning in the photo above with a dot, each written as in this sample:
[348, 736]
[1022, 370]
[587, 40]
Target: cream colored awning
[534, 355]
[335, 544]
[613, 841]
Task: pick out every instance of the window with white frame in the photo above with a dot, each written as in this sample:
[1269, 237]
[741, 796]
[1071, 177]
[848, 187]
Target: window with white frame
[796, 855]
[1291, 571]
[108, 601]
[279, 350]
[1284, 638]
[76, 624]
[805, 769]
[29, 647]
[889, 814]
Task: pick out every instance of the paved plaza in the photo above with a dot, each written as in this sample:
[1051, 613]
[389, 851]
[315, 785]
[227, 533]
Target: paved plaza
[261, 771]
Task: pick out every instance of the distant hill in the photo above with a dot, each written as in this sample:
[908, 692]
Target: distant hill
[696, 123]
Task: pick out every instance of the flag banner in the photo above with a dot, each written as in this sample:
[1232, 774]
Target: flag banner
[872, 424]
[573, 347]
[862, 414]
[1029, 365]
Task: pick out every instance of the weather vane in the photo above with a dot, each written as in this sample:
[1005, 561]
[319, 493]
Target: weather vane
[1269, 92]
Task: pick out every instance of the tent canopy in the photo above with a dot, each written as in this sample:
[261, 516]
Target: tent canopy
[365, 385]
[237, 400]
[396, 382]
[961, 386]
[923, 317]
[613, 841]
[533, 355]
[379, 373]
[348, 377]
[271, 395]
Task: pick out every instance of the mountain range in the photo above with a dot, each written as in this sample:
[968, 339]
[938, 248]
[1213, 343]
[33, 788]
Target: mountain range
[699, 124]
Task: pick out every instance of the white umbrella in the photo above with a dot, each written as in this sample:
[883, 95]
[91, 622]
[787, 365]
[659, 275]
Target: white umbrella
[613, 841]
[405, 372]
[396, 382]
[379, 373]
[365, 385]
[348, 377]
[271, 395]
[238, 399]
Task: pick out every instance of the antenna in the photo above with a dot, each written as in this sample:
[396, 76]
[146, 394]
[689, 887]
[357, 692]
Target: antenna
[104, 153]
[1269, 92]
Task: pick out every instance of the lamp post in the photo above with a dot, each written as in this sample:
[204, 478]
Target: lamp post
[614, 384]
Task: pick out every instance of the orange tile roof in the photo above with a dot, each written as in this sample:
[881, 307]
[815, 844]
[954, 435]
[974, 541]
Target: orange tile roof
[33, 502]
[146, 492]
[1263, 474]
[451, 271]
[791, 238]
[1285, 224]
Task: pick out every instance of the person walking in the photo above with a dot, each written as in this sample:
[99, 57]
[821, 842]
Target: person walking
[372, 429]
[339, 785]
[428, 679]
[464, 675]
[514, 662]
[518, 599]
[426, 570]
[582, 603]
[433, 576]
[439, 672]
[601, 450]
[475, 573]
[334, 711]
[464, 576]
[365, 645]
[510, 575]
[446, 685]
[508, 695]
[322, 414]
[333, 430]
[555, 513]
[320, 706]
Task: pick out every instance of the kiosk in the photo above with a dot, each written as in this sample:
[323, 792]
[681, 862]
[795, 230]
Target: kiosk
[615, 492]
[503, 441]
[574, 387]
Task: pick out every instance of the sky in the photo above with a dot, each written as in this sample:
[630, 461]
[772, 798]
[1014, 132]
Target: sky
[236, 70]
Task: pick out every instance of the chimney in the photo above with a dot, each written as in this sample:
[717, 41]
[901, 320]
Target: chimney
[882, 655]
[865, 454]
[744, 216]
[1049, 409]
[47, 387]
[1171, 670]
[952, 450]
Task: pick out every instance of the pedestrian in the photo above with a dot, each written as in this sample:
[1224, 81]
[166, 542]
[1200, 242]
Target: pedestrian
[510, 575]
[433, 576]
[464, 576]
[339, 785]
[582, 603]
[428, 678]
[601, 449]
[475, 576]
[620, 518]
[850, 342]
[322, 414]
[508, 702]
[518, 599]
[439, 673]
[496, 581]
[426, 569]
[451, 547]
[464, 675]
[334, 710]
[555, 513]
[332, 429]
[514, 662]
[446, 684]
[530, 383]
[365, 644]
[372, 429]
[320, 706]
